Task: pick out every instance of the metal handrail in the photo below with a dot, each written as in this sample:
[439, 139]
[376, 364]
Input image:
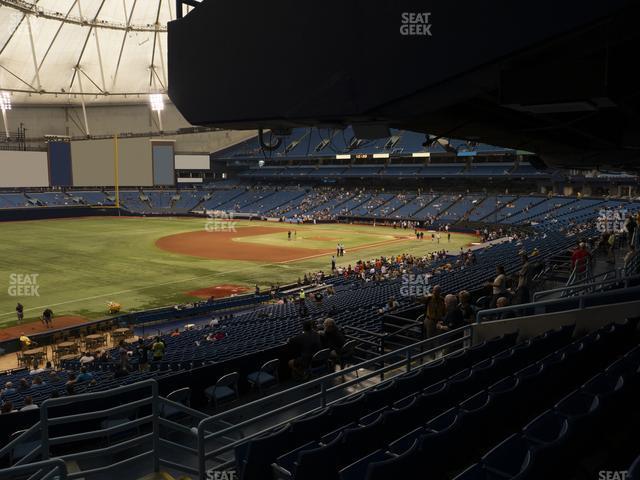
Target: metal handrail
[205, 425]
[540, 306]
[54, 466]
[407, 361]
[585, 274]
[578, 287]
[11, 445]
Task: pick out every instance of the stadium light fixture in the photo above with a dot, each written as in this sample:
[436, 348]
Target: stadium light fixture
[5, 105]
[157, 105]
[5, 101]
[156, 101]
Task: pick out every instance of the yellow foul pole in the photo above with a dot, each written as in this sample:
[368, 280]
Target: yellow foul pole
[116, 180]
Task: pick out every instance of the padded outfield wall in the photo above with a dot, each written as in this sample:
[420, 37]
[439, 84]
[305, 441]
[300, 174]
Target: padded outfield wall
[23, 169]
[94, 162]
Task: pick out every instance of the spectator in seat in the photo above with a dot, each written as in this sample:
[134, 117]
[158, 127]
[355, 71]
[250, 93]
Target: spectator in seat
[332, 338]
[392, 304]
[72, 379]
[23, 385]
[8, 389]
[435, 311]
[86, 358]
[522, 290]
[466, 307]
[28, 404]
[7, 407]
[142, 352]
[158, 349]
[580, 256]
[123, 355]
[504, 302]
[36, 370]
[103, 356]
[499, 286]
[302, 347]
[453, 317]
[84, 375]
[37, 382]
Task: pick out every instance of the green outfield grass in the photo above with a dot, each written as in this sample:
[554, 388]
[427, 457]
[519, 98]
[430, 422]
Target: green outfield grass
[81, 264]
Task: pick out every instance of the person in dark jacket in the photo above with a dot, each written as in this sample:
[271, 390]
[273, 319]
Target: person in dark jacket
[302, 347]
[47, 318]
[142, 352]
[453, 317]
[332, 337]
[20, 312]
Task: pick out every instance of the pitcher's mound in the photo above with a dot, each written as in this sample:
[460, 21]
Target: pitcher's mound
[221, 246]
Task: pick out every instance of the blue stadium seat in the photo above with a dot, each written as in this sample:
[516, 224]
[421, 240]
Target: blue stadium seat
[182, 396]
[266, 377]
[634, 470]
[513, 458]
[380, 396]
[403, 465]
[579, 408]
[224, 390]
[549, 433]
[312, 426]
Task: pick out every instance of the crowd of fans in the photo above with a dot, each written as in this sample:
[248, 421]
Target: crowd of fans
[443, 311]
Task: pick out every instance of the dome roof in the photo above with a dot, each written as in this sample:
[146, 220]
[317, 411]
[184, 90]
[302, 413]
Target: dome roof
[55, 51]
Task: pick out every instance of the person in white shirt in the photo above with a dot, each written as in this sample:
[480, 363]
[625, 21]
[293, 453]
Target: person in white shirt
[37, 370]
[28, 404]
[86, 358]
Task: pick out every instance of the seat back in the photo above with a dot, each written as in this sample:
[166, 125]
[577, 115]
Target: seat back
[348, 349]
[312, 426]
[347, 411]
[182, 395]
[253, 459]
[228, 380]
[512, 458]
[319, 463]
[403, 466]
[320, 356]
[271, 367]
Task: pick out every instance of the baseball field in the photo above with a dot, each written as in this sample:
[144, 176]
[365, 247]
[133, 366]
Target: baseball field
[76, 266]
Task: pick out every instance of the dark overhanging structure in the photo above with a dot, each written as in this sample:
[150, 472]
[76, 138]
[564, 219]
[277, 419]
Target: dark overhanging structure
[553, 78]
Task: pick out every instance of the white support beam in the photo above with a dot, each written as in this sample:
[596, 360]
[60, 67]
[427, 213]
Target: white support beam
[33, 54]
[84, 108]
[104, 84]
